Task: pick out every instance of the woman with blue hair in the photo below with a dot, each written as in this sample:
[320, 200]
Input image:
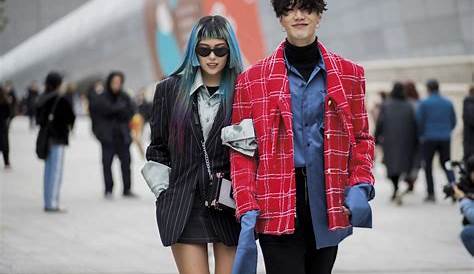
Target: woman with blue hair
[189, 110]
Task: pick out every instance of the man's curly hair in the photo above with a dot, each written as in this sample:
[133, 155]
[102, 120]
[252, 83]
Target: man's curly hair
[282, 7]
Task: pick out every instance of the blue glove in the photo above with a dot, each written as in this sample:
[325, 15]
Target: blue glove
[357, 198]
[246, 256]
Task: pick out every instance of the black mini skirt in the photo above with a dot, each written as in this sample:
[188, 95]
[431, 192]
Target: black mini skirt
[202, 228]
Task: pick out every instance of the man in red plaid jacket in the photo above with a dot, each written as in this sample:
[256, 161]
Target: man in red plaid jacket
[311, 180]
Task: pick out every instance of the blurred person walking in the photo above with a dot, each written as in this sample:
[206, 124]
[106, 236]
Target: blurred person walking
[413, 98]
[113, 111]
[12, 98]
[144, 110]
[13, 105]
[71, 93]
[32, 94]
[377, 107]
[396, 130]
[189, 110]
[54, 114]
[5, 115]
[436, 120]
[468, 123]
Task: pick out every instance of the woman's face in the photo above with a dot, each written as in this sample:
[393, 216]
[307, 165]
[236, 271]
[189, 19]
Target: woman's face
[212, 55]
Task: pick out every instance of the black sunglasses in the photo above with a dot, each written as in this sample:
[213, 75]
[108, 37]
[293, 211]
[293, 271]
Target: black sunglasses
[205, 51]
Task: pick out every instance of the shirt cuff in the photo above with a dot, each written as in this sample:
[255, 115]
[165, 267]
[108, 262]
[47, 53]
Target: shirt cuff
[356, 201]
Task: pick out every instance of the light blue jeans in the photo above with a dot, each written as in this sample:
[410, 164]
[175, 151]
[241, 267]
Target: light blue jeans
[467, 237]
[53, 173]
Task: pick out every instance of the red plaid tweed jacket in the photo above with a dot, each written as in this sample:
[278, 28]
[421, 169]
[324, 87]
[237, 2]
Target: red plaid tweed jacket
[267, 182]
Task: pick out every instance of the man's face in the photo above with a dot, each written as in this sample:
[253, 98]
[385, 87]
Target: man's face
[300, 26]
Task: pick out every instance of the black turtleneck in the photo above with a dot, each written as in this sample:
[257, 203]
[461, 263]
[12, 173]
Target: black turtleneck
[304, 59]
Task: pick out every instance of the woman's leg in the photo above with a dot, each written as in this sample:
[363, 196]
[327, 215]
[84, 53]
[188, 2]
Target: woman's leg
[48, 180]
[395, 197]
[224, 258]
[394, 179]
[191, 258]
[53, 176]
[58, 174]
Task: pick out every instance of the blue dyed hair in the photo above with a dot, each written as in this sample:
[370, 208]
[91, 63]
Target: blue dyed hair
[208, 27]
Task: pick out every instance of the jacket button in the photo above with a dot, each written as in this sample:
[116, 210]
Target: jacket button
[329, 102]
[327, 136]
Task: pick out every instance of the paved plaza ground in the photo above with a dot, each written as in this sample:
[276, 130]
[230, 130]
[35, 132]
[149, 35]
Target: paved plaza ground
[119, 236]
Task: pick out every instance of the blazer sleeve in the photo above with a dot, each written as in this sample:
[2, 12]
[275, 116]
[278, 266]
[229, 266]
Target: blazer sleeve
[158, 150]
[243, 168]
[362, 152]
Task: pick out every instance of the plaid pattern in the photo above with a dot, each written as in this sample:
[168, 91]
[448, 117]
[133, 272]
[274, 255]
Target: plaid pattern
[267, 182]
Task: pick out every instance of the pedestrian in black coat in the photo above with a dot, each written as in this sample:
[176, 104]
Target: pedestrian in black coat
[113, 110]
[396, 130]
[5, 114]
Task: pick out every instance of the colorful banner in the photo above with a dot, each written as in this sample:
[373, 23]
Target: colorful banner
[169, 23]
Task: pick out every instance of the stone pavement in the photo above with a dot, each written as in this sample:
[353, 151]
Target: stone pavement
[120, 236]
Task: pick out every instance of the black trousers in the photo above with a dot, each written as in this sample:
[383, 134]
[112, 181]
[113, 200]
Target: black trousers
[122, 150]
[296, 253]
[429, 150]
[5, 145]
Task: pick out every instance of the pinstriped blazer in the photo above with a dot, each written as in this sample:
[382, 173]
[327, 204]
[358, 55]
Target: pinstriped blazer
[188, 168]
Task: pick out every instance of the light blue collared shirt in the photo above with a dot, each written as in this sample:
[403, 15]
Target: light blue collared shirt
[208, 105]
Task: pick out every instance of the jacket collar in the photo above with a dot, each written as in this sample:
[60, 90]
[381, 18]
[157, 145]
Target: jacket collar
[198, 82]
[279, 90]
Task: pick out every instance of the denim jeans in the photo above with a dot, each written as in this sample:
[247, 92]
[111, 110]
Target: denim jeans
[430, 147]
[53, 173]
[467, 237]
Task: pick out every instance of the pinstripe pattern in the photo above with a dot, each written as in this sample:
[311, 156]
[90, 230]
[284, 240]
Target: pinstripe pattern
[268, 183]
[188, 169]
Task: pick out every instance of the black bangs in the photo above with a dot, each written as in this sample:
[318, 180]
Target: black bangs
[212, 27]
[282, 7]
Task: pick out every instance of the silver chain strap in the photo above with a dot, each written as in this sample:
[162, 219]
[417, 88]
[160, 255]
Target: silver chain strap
[206, 158]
